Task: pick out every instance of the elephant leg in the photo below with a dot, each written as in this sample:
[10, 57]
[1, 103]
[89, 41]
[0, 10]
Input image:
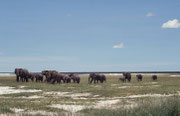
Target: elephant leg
[78, 81]
[32, 79]
[58, 81]
[53, 81]
[129, 80]
[91, 80]
[22, 79]
[101, 81]
[94, 81]
[26, 79]
[17, 78]
[64, 81]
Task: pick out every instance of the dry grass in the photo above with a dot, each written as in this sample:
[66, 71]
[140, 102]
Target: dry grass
[84, 98]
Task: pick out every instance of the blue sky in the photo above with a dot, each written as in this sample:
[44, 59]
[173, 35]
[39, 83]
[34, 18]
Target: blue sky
[90, 35]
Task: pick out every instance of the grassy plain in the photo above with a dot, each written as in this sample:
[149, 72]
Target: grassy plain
[113, 98]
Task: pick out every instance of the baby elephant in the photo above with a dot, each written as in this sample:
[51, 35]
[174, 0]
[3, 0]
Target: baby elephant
[122, 79]
[154, 77]
[39, 77]
[67, 79]
[139, 77]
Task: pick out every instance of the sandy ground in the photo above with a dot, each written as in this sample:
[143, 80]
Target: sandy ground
[7, 75]
[12, 90]
[32, 97]
[69, 108]
[75, 108]
[123, 87]
[21, 112]
[22, 87]
[68, 94]
[174, 75]
[102, 102]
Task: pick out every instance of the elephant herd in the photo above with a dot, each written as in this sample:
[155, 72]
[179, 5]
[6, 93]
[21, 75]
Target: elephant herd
[127, 76]
[51, 76]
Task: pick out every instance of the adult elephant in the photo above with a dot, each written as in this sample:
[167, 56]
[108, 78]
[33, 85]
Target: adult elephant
[139, 77]
[17, 72]
[127, 75]
[75, 78]
[49, 74]
[96, 77]
[24, 75]
[46, 73]
[53, 76]
[58, 77]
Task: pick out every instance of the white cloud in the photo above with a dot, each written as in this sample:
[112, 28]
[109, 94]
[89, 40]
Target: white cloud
[150, 14]
[171, 24]
[121, 45]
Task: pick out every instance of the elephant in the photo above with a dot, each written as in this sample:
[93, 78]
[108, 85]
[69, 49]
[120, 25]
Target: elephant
[154, 77]
[48, 74]
[57, 77]
[127, 75]
[17, 72]
[139, 77]
[67, 79]
[75, 78]
[96, 77]
[22, 74]
[39, 77]
[31, 76]
[122, 79]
